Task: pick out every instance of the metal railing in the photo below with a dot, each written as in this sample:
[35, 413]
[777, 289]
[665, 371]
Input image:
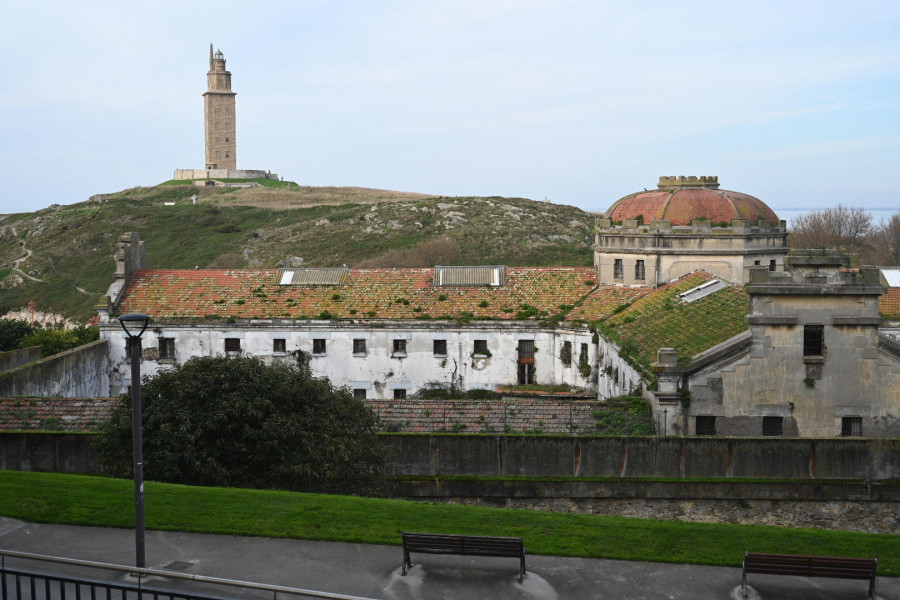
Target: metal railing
[24, 584]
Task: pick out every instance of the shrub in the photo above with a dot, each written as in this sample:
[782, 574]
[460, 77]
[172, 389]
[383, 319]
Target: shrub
[238, 422]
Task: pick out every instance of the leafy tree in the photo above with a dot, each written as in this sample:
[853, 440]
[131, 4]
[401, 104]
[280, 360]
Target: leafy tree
[240, 422]
[12, 332]
[55, 340]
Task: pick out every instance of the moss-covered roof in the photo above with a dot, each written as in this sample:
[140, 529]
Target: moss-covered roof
[660, 320]
[409, 293]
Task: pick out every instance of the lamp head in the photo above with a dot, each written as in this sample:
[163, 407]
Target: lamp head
[134, 324]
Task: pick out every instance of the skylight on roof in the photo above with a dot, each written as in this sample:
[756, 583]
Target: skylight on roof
[324, 276]
[494, 276]
[702, 291]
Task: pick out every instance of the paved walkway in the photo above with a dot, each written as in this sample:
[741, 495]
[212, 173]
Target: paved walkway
[374, 571]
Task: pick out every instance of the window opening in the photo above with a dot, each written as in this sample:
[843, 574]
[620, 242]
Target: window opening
[813, 340]
[705, 425]
[851, 426]
[439, 347]
[639, 270]
[399, 394]
[566, 354]
[319, 346]
[166, 348]
[772, 265]
[399, 346]
[279, 346]
[526, 362]
[480, 347]
[359, 393]
[583, 355]
[773, 425]
[618, 269]
[232, 344]
[359, 346]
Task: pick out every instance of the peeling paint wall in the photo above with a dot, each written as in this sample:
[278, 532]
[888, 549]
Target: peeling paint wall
[397, 355]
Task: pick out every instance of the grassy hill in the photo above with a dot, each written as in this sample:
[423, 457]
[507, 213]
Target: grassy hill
[62, 257]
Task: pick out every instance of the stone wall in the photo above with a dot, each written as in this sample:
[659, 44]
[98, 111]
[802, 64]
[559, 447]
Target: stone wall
[869, 517]
[79, 373]
[190, 174]
[520, 415]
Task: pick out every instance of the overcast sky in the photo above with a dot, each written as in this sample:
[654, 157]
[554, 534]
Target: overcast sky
[581, 102]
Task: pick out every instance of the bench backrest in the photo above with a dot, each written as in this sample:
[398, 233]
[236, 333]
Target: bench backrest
[473, 545]
[811, 566]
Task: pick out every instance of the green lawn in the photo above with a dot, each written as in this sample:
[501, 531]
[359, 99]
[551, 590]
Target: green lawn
[99, 501]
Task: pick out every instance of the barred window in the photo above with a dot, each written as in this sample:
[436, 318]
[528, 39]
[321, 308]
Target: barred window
[232, 344]
[773, 425]
[639, 272]
[439, 348]
[359, 393]
[359, 346]
[399, 394]
[399, 346]
[851, 426]
[813, 340]
[480, 347]
[618, 269]
[705, 425]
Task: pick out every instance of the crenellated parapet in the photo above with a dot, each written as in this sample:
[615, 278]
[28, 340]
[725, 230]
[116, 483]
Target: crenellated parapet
[697, 226]
[709, 182]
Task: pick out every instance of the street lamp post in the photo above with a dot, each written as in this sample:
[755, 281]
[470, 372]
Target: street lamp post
[134, 325]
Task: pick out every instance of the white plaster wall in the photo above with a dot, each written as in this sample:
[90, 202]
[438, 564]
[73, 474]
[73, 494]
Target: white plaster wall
[379, 370]
[616, 377]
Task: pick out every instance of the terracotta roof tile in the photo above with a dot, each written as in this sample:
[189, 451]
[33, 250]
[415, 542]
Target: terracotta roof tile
[367, 293]
[54, 414]
[683, 205]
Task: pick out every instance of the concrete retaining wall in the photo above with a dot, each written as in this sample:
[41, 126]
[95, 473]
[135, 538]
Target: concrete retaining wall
[654, 457]
[55, 452]
[17, 358]
[819, 460]
[79, 373]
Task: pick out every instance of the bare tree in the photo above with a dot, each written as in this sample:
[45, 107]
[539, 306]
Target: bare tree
[841, 228]
[886, 242]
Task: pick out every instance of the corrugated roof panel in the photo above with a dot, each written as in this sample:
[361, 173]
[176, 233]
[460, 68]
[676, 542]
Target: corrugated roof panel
[324, 276]
[891, 275]
[494, 275]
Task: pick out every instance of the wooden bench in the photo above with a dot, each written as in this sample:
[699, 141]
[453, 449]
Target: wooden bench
[465, 545]
[811, 566]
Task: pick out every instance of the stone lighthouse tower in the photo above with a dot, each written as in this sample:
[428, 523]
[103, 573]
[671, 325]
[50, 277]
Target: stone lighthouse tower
[218, 109]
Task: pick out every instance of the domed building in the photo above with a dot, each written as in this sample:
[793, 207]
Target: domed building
[652, 237]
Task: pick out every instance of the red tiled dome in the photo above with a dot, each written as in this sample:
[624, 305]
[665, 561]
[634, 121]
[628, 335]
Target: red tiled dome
[683, 199]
